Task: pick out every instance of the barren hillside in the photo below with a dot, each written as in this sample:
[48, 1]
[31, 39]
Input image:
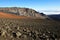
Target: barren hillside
[25, 24]
[7, 15]
[23, 12]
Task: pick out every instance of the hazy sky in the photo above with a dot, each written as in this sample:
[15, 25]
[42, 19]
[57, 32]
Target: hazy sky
[39, 5]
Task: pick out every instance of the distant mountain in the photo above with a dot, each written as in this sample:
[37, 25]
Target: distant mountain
[23, 12]
[55, 17]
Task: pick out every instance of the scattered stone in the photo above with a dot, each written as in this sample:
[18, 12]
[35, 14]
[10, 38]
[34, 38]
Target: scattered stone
[18, 34]
[0, 33]
[30, 34]
[5, 24]
[24, 29]
[25, 36]
[28, 30]
[14, 34]
[44, 34]
[36, 32]
[3, 32]
[18, 28]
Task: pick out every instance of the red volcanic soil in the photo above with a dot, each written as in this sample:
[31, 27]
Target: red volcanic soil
[6, 15]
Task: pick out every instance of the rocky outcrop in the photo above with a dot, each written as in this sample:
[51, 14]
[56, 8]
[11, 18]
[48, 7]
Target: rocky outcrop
[22, 12]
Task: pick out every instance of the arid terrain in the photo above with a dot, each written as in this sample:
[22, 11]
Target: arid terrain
[15, 27]
[5, 15]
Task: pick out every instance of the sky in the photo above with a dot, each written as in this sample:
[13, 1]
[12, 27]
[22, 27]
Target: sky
[46, 6]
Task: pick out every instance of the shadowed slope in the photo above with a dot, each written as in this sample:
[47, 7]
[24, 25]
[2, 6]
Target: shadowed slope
[55, 17]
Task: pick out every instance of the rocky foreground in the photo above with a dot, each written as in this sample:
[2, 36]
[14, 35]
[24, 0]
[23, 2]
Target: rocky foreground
[29, 29]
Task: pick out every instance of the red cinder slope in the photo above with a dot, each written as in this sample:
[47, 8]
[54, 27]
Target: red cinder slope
[6, 15]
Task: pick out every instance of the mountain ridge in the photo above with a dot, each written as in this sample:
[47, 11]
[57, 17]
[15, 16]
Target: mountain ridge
[55, 17]
[23, 12]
